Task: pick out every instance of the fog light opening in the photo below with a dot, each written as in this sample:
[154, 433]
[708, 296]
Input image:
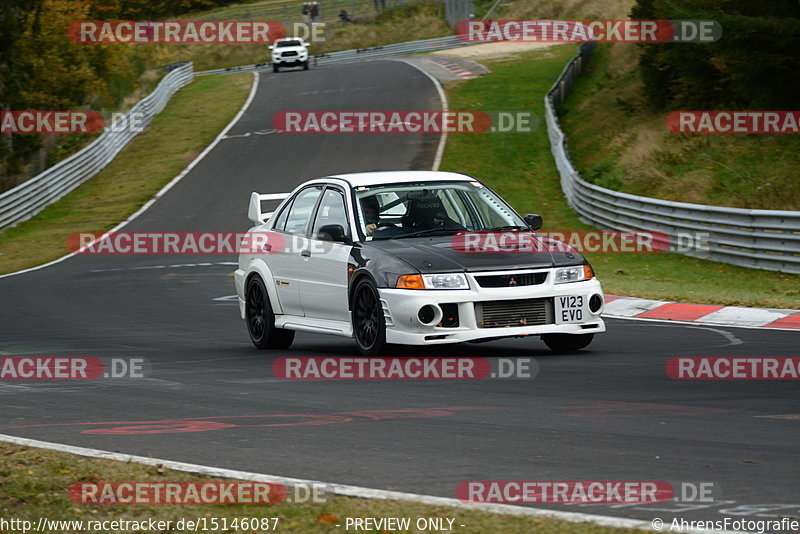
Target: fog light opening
[429, 315]
[595, 303]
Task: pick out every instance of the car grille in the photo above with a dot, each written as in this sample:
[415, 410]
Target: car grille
[289, 53]
[511, 280]
[510, 313]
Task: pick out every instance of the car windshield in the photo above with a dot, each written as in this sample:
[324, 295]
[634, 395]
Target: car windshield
[424, 208]
[281, 44]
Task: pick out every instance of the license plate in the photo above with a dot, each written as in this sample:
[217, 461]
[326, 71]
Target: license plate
[569, 309]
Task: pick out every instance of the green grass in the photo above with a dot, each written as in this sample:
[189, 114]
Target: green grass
[35, 483]
[191, 120]
[618, 141]
[521, 169]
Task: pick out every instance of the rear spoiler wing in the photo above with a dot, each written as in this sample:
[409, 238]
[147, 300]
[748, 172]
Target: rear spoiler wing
[254, 211]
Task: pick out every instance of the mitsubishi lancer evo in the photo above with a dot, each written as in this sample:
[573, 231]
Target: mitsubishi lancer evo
[411, 258]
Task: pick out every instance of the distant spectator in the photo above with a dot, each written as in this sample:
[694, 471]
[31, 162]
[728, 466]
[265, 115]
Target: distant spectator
[314, 11]
[343, 16]
[306, 12]
[380, 7]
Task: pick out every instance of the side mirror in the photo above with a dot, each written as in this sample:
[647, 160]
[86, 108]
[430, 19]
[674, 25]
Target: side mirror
[333, 232]
[270, 47]
[534, 221]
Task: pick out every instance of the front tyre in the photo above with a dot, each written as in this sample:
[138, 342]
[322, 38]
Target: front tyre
[261, 320]
[275, 67]
[564, 343]
[369, 325]
[305, 65]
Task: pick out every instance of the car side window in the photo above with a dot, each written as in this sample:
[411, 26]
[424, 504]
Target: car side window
[300, 213]
[331, 211]
[280, 222]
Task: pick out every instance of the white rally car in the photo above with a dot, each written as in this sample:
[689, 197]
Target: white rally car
[379, 257]
[289, 52]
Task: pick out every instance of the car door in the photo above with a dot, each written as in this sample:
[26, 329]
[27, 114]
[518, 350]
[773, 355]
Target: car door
[287, 264]
[324, 285]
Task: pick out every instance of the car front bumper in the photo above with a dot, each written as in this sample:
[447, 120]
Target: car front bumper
[291, 60]
[401, 307]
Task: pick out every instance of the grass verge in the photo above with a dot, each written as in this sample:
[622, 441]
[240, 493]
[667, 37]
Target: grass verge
[36, 482]
[521, 168]
[618, 141]
[191, 120]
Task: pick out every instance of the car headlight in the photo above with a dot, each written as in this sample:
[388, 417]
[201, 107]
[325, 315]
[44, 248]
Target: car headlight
[432, 281]
[577, 273]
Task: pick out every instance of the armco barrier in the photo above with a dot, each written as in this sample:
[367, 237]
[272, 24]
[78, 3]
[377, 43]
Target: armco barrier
[32, 196]
[763, 239]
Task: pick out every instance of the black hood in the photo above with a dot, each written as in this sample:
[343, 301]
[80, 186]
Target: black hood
[435, 254]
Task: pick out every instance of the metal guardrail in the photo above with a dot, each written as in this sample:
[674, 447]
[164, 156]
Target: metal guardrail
[763, 239]
[32, 196]
[359, 54]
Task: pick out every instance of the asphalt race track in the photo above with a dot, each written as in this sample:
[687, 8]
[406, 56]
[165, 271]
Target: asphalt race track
[610, 413]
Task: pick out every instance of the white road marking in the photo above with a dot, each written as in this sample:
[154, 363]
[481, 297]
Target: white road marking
[664, 323]
[173, 266]
[248, 134]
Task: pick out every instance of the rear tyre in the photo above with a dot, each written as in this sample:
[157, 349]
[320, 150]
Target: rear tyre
[564, 343]
[261, 320]
[369, 325]
[275, 68]
[305, 65]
